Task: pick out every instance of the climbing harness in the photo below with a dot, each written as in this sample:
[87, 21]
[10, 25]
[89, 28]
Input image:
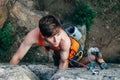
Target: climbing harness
[90, 65]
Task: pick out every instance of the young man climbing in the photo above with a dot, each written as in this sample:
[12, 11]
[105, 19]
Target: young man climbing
[50, 35]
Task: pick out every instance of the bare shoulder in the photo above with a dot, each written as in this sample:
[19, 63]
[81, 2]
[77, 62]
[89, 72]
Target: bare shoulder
[65, 41]
[32, 36]
[64, 46]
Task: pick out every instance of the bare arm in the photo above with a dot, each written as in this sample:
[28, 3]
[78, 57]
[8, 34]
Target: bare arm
[24, 47]
[64, 53]
[63, 61]
[20, 53]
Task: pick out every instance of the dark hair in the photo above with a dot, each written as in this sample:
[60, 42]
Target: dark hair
[49, 25]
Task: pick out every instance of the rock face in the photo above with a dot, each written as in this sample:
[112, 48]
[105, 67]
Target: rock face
[49, 72]
[16, 73]
[25, 17]
[83, 74]
[3, 15]
[83, 38]
[42, 71]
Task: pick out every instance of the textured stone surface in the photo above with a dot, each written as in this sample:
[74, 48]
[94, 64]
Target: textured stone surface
[3, 15]
[49, 72]
[25, 17]
[83, 74]
[83, 38]
[43, 71]
[8, 72]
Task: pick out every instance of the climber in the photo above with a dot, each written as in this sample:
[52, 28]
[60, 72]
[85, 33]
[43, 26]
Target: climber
[50, 35]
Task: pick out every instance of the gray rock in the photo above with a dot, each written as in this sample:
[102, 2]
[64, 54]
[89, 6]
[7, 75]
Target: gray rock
[42, 71]
[84, 74]
[26, 17]
[8, 72]
[83, 38]
[28, 3]
[49, 72]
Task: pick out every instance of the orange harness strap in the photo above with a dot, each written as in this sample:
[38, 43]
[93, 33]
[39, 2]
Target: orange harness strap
[40, 41]
[74, 48]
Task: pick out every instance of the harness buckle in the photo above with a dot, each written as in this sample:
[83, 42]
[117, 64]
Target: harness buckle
[80, 55]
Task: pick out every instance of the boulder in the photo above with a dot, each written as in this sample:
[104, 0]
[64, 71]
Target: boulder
[8, 72]
[49, 72]
[84, 74]
[44, 72]
[3, 15]
[25, 17]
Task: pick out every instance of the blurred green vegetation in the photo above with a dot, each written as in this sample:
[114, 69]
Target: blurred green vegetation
[5, 38]
[83, 15]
